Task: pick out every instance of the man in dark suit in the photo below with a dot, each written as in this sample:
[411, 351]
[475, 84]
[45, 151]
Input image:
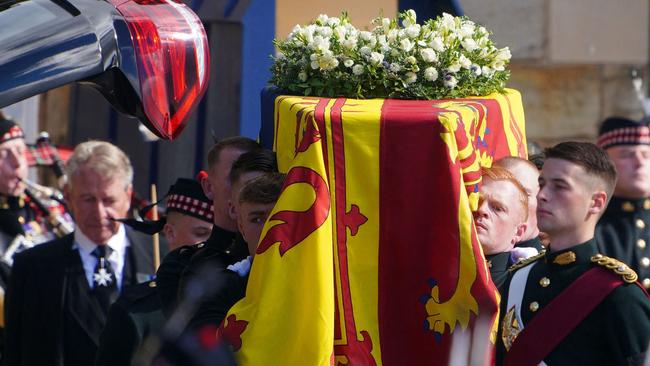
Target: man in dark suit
[59, 292]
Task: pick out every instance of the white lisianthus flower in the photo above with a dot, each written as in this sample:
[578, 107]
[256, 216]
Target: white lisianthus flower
[302, 76]
[392, 35]
[376, 58]
[448, 21]
[431, 74]
[450, 81]
[340, 32]
[365, 50]
[411, 77]
[428, 55]
[333, 21]
[357, 70]
[322, 18]
[466, 30]
[469, 44]
[438, 44]
[411, 60]
[454, 68]
[350, 43]
[482, 42]
[406, 45]
[395, 67]
[498, 65]
[464, 62]
[409, 18]
[476, 69]
[503, 54]
[348, 63]
[365, 35]
[413, 30]
[487, 71]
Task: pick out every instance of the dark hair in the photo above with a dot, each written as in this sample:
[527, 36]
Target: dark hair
[264, 189]
[258, 160]
[237, 142]
[593, 159]
[537, 159]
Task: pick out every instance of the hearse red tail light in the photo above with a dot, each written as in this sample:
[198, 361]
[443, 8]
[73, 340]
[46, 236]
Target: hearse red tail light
[172, 57]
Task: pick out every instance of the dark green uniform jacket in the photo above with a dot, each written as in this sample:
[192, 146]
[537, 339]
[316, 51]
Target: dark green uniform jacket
[616, 332]
[532, 243]
[624, 233]
[498, 265]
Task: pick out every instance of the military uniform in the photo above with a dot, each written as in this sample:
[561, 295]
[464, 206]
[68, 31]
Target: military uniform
[615, 332]
[498, 265]
[532, 243]
[624, 233]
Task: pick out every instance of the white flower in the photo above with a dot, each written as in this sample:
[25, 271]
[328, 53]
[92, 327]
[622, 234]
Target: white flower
[302, 76]
[333, 21]
[428, 55]
[385, 23]
[411, 60]
[413, 30]
[464, 62]
[454, 68]
[409, 18]
[324, 31]
[242, 267]
[503, 54]
[487, 71]
[357, 70]
[469, 44]
[411, 77]
[322, 18]
[340, 32]
[395, 67]
[498, 65]
[313, 57]
[431, 74]
[348, 63]
[406, 45]
[437, 44]
[383, 41]
[450, 81]
[350, 43]
[476, 69]
[467, 29]
[365, 35]
[448, 21]
[314, 65]
[376, 58]
[392, 35]
[365, 50]
[319, 43]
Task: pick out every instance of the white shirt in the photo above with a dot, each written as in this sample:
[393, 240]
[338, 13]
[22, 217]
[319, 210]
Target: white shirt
[117, 243]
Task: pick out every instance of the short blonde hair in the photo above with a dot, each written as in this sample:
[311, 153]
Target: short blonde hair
[102, 157]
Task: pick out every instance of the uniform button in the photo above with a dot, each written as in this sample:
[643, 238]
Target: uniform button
[21, 220]
[201, 245]
[640, 244]
[544, 282]
[533, 306]
[152, 284]
[645, 262]
[640, 224]
[646, 282]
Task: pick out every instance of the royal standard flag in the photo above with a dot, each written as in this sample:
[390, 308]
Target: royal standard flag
[370, 256]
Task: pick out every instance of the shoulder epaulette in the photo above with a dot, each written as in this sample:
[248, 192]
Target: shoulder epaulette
[526, 261]
[616, 266]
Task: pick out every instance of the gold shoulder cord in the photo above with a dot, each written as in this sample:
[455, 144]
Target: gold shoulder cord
[616, 266]
[526, 261]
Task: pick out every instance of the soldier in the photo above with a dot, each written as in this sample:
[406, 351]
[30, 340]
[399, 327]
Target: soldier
[572, 305]
[624, 230]
[27, 216]
[137, 313]
[500, 219]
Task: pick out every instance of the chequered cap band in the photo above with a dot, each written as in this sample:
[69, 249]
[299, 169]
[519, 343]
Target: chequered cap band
[625, 136]
[190, 206]
[13, 133]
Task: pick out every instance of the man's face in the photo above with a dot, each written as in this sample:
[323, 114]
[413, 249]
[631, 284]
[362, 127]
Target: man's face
[220, 190]
[182, 229]
[529, 179]
[564, 197]
[233, 202]
[250, 219]
[633, 165]
[94, 200]
[499, 218]
[13, 167]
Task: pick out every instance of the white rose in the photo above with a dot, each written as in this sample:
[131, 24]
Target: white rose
[454, 68]
[395, 67]
[365, 35]
[469, 44]
[437, 44]
[302, 76]
[464, 62]
[406, 45]
[431, 74]
[411, 77]
[365, 50]
[428, 55]
[450, 81]
[376, 58]
[348, 63]
[357, 70]
[413, 30]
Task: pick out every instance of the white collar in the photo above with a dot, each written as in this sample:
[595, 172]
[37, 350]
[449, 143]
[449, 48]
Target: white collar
[117, 242]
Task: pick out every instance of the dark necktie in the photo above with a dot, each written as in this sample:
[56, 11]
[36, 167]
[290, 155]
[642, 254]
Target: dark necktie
[104, 281]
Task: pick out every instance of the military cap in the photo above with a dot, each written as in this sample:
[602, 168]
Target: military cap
[616, 131]
[9, 130]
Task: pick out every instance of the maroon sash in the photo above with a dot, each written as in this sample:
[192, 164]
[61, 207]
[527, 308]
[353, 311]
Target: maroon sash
[561, 316]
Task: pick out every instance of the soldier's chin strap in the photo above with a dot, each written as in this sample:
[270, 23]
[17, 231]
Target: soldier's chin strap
[560, 317]
[149, 227]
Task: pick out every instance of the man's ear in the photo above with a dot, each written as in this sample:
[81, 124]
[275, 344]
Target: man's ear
[168, 231]
[598, 203]
[232, 211]
[519, 232]
[207, 188]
